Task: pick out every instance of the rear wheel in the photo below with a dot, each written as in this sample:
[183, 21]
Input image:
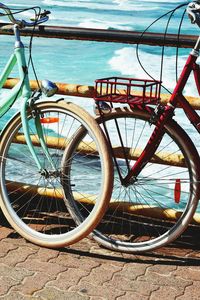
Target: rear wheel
[157, 207]
[35, 202]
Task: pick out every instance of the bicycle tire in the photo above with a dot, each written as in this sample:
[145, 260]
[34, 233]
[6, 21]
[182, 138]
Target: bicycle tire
[134, 222]
[35, 204]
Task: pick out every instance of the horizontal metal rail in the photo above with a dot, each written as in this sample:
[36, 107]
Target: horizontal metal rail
[88, 91]
[102, 35]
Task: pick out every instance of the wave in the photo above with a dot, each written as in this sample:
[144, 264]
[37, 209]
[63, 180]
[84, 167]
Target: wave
[125, 62]
[93, 5]
[165, 2]
[95, 23]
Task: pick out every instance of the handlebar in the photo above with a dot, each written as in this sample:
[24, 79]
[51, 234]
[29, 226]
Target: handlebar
[193, 10]
[43, 17]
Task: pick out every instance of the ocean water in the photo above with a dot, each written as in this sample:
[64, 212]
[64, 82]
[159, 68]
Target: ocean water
[82, 62]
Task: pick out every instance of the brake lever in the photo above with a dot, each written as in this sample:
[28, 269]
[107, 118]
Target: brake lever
[45, 13]
[41, 15]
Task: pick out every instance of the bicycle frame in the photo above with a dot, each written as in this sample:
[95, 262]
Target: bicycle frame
[167, 112]
[22, 89]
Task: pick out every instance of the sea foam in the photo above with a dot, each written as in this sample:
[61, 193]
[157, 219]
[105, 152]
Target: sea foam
[125, 61]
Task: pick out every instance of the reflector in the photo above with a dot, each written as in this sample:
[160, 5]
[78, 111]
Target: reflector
[177, 191]
[49, 120]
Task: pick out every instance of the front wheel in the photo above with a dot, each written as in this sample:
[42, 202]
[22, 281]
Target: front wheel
[158, 205]
[34, 202]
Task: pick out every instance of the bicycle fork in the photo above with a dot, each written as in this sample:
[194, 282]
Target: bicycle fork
[40, 134]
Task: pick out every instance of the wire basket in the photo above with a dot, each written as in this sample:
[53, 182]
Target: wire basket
[127, 90]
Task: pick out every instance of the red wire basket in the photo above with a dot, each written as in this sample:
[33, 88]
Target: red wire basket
[127, 90]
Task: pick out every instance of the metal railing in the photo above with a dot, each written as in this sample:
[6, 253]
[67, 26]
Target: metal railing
[102, 35]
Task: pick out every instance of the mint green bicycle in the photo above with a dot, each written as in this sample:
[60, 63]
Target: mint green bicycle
[33, 197]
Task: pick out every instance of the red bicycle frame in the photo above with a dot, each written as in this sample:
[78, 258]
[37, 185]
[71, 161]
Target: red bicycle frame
[167, 112]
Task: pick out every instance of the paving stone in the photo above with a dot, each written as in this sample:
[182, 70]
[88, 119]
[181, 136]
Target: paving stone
[125, 285]
[5, 247]
[6, 283]
[168, 280]
[162, 269]
[188, 273]
[33, 284]
[191, 292]
[15, 239]
[96, 298]
[166, 293]
[45, 254]
[16, 273]
[68, 278]
[50, 293]
[41, 266]
[16, 256]
[74, 261]
[133, 296]
[101, 274]
[132, 271]
[19, 296]
[86, 288]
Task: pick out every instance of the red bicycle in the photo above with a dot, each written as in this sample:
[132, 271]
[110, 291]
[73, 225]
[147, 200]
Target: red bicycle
[157, 167]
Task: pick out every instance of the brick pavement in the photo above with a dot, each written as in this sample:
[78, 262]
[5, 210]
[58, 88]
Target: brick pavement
[87, 271]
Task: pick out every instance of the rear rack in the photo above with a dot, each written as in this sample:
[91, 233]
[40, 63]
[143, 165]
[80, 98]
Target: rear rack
[127, 90]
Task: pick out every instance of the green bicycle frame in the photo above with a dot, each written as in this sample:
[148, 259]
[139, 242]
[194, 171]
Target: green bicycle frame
[22, 89]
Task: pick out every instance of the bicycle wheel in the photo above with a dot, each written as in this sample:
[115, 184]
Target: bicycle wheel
[34, 202]
[157, 207]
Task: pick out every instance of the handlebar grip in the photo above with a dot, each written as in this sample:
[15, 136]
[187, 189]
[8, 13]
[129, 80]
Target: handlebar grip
[193, 10]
